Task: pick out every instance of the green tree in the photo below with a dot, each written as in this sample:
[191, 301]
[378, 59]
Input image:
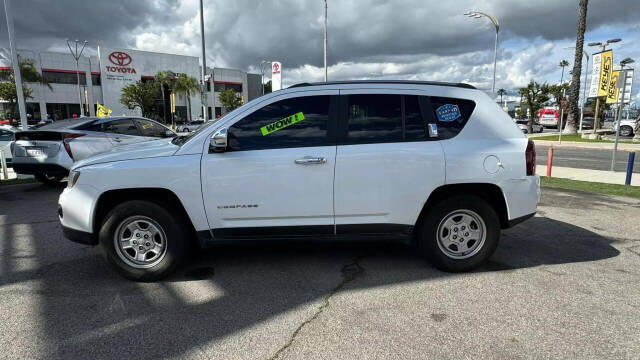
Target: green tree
[229, 99]
[29, 74]
[8, 91]
[185, 84]
[162, 79]
[501, 92]
[267, 87]
[139, 95]
[535, 95]
[563, 64]
[574, 111]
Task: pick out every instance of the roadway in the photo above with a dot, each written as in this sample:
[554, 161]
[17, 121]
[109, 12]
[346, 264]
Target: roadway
[593, 159]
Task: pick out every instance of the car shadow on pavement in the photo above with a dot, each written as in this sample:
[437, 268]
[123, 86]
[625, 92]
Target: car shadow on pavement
[86, 311]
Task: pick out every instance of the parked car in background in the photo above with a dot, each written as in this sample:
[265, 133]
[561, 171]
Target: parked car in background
[191, 126]
[627, 127]
[436, 165]
[7, 136]
[49, 151]
[524, 126]
[548, 117]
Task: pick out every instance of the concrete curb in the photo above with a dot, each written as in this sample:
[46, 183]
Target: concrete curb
[601, 176]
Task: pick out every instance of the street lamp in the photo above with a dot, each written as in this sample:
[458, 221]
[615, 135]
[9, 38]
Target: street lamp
[325, 41]
[623, 74]
[76, 55]
[584, 90]
[604, 44]
[496, 25]
[262, 63]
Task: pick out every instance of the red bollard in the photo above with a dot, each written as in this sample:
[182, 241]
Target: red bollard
[549, 161]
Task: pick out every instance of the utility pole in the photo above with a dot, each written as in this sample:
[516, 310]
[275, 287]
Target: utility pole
[16, 66]
[325, 40]
[496, 26]
[76, 55]
[204, 68]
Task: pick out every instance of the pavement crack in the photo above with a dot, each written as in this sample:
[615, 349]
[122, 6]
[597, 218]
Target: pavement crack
[349, 273]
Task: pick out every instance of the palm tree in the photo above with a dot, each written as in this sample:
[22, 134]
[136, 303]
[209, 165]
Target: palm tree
[185, 84]
[563, 64]
[574, 112]
[164, 78]
[501, 92]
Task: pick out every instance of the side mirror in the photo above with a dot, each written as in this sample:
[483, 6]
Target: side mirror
[218, 142]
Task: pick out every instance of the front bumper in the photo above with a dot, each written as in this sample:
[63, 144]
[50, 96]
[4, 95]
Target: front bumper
[76, 208]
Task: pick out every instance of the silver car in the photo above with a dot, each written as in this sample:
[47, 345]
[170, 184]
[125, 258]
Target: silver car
[49, 151]
[190, 126]
[7, 135]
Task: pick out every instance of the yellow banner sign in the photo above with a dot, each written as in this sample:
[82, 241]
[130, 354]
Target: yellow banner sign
[102, 111]
[605, 72]
[612, 91]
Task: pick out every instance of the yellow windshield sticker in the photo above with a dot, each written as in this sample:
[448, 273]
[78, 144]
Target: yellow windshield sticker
[282, 123]
[146, 126]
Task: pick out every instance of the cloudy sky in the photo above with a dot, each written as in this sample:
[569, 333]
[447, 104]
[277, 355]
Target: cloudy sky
[368, 39]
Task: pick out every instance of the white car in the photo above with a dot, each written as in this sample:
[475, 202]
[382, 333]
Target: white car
[524, 126]
[191, 126]
[440, 166]
[627, 127]
[7, 136]
[49, 151]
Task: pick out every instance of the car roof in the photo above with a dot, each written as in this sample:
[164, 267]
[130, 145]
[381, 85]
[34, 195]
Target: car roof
[372, 82]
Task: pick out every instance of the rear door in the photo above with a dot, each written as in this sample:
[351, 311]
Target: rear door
[122, 131]
[387, 163]
[276, 177]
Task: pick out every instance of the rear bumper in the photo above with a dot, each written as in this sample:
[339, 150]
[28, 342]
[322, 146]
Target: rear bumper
[522, 197]
[34, 169]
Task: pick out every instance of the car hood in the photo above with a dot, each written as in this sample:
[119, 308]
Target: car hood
[140, 150]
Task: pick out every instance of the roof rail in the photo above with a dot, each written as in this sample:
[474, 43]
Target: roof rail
[409, 82]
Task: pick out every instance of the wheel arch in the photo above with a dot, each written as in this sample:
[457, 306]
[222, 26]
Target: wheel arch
[161, 196]
[491, 193]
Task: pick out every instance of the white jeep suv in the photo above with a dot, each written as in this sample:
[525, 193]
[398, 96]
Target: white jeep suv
[439, 166]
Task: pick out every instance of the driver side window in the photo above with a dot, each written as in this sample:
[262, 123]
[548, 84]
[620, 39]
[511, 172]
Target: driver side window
[289, 123]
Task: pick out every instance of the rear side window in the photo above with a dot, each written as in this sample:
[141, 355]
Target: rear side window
[151, 129]
[6, 135]
[383, 118]
[451, 115]
[122, 126]
[297, 122]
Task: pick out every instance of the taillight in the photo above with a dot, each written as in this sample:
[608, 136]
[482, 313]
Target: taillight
[65, 140]
[530, 156]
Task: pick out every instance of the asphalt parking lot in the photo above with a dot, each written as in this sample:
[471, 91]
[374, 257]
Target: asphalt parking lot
[564, 284]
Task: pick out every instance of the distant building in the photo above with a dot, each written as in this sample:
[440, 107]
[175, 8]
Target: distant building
[102, 78]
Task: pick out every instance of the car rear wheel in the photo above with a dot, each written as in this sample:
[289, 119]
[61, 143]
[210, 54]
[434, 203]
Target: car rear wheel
[49, 179]
[143, 241]
[459, 233]
[626, 130]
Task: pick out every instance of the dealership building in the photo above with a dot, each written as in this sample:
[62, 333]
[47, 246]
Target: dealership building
[102, 78]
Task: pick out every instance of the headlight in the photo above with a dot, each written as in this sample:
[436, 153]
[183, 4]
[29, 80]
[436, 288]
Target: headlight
[73, 178]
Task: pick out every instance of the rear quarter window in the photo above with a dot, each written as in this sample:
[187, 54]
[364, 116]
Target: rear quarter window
[451, 115]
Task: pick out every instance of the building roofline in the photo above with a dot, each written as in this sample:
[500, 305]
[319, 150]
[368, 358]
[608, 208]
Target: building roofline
[408, 82]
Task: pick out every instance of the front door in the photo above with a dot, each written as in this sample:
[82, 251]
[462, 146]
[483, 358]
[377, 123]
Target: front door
[276, 177]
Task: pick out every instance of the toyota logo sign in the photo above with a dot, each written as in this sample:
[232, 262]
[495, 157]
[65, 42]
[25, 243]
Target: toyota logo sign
[119, 58]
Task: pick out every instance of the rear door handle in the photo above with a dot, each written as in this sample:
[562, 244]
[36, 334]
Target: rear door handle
[310, 160]
[117, 139]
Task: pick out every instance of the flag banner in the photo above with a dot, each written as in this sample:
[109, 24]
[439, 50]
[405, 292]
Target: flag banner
[612, 90]
[103, 111]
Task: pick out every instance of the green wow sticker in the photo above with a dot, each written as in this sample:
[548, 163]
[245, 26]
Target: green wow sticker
[282, 123]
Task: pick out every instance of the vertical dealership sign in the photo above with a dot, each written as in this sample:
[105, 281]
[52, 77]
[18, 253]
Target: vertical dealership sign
[612, 91]
[118, 68]
[628, 86]
[601, 75]
[276, 76]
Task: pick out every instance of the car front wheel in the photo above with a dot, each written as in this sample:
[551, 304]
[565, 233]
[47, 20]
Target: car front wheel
[459, 233]
[143, 241]
[626, 130]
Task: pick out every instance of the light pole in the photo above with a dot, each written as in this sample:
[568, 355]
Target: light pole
[325, 40]
[76, 55]
[204, 69]
[496, 25]
[623, 74]
[603, 45]
[584, 90]
[16, 66]
[262, 63]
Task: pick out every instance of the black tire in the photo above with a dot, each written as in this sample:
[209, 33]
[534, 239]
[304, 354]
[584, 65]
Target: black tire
[174, 228]
[626, 130]
[49, 179]
[428, 237]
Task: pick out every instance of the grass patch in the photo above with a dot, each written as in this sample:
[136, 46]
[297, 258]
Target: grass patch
[17, 181]
[592, 187]
[576, 138]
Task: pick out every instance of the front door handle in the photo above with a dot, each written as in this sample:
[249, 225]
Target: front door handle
[117, 139]
[310, 160]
